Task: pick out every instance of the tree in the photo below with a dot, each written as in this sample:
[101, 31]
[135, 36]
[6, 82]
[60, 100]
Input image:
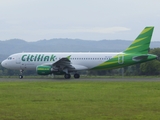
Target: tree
[155, 51]
[151, 67]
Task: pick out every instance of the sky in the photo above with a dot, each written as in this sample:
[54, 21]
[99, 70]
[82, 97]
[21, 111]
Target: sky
[33, 20]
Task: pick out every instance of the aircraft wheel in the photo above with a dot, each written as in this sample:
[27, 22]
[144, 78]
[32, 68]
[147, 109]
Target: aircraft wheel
[76, 76]
[20, 76]
[67, 76]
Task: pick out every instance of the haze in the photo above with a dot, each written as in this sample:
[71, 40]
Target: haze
[33, 20]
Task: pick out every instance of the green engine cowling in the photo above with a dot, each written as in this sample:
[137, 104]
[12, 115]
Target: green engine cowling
[43, 70]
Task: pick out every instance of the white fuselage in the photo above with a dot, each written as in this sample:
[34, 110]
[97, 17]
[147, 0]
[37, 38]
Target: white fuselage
[29, 61]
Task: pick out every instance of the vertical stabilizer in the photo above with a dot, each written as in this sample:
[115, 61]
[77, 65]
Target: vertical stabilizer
[142, 42]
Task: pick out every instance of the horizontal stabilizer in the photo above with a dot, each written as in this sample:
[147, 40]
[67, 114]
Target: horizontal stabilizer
[140, 58]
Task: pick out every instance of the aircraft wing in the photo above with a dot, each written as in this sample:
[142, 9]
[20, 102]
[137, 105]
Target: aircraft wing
[64, 64]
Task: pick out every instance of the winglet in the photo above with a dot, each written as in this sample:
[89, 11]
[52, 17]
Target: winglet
[69, 57]
[142, 42]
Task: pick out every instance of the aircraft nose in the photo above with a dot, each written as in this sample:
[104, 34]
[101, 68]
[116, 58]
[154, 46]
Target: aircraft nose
[4, 63]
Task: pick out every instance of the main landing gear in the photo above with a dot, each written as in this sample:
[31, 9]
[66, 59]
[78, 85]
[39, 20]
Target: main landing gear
[68, 76]
[76, 76]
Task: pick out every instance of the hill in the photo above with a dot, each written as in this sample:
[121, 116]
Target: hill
[64, 45]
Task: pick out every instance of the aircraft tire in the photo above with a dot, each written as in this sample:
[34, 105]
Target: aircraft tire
[67, 76]
[20, 76]
[76, 76]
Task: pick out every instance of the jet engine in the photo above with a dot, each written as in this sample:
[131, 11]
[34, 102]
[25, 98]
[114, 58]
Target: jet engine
[44, 70]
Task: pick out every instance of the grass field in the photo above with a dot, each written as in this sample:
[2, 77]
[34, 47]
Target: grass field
[79, 100]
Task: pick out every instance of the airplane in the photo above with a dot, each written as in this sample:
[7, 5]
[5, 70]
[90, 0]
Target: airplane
[61, 63]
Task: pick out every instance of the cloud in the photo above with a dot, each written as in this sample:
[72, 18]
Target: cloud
[107, 30]
[92, 30]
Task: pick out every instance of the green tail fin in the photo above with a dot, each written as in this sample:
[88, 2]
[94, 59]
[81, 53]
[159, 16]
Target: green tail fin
[142, 42]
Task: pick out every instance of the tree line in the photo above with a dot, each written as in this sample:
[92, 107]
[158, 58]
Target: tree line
[148, 68]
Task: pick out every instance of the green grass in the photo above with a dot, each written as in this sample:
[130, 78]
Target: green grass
[79, 100]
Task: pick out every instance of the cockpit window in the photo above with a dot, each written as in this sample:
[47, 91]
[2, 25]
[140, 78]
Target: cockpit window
[9, 58]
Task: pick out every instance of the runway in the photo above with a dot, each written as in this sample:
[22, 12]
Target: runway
[120, 79]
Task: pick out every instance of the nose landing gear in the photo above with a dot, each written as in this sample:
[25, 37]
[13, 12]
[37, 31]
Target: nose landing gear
[21, 74]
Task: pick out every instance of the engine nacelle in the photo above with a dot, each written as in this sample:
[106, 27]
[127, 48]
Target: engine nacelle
[43, 70]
